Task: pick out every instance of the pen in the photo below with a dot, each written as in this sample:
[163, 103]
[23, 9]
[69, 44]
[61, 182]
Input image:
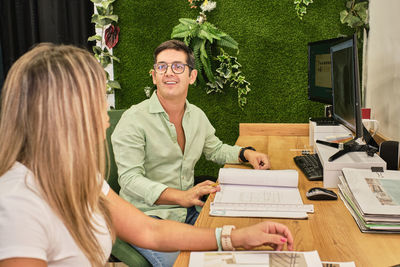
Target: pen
[214, 185]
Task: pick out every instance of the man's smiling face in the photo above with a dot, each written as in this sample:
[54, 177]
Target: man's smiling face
[171, 85]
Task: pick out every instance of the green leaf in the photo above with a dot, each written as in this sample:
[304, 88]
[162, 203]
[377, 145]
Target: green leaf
[354, 22]
[94, 38]
[96, 50]
[207, 68]
[362, 11]
[105, 3]
[361, 6]
[180, 31]
[205, 35]
[105, 61]
[213, 31]
[95, 18]
[110, 10]
[186, 21]
[101, 11]
[104, 20]
[112, 17]
[307, 2]
[349, 4]
[203, 52]
[113, 84]
[343, 16]
[364, 17]
[227, 41]
[115, 58]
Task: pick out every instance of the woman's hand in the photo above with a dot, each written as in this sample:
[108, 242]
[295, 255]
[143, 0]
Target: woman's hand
[272, 234]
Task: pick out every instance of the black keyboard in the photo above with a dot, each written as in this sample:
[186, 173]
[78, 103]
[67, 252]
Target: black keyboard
[324, 121]
[310, 165]
[327, 123]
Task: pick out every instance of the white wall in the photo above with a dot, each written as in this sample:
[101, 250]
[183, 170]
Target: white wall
[383, 66]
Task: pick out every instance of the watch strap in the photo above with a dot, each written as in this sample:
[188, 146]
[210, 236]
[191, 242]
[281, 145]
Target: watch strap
[226, 241]
[241, 154]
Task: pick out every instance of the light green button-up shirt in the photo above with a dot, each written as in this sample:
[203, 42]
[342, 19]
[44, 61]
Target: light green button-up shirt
[149, 158]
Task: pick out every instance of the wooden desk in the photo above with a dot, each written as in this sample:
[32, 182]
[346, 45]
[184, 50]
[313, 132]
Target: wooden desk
[330, 230]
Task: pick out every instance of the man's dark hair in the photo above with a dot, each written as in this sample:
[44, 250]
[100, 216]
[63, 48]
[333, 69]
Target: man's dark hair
[176, 45]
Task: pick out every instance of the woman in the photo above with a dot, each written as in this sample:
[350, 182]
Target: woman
[55, 208]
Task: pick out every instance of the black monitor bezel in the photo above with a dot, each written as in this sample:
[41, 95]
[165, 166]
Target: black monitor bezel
[357, 128]
[311, 81]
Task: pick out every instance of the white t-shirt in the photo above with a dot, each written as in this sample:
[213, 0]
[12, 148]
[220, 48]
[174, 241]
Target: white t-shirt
[29, 228]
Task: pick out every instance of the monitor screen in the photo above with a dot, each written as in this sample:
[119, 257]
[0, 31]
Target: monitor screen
[346, 85]
[319, 70]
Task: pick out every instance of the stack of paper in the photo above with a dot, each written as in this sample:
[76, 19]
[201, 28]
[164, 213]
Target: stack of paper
[373, 199]
[259, 193]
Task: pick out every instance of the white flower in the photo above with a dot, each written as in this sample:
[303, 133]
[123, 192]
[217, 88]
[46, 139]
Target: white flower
[147, 91]
[208, 6]
[200, 19]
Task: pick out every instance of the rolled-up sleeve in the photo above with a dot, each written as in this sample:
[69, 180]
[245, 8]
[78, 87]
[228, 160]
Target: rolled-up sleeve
[128, 142]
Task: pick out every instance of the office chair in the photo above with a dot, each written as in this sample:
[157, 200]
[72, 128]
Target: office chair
[120, 250]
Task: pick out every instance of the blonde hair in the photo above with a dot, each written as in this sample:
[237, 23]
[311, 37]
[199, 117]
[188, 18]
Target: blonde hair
[51, 120]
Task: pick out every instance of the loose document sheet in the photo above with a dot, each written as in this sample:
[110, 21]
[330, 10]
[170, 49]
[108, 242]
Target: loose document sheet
[254, 259]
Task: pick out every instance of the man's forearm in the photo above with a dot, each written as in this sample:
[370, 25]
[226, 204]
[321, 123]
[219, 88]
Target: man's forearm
[188, 198]
[170, 196]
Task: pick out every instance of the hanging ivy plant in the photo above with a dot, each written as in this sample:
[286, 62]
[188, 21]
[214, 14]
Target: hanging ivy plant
[202, 36]
[301, 7]
[105, 20]
[355, 16]
[229, 73]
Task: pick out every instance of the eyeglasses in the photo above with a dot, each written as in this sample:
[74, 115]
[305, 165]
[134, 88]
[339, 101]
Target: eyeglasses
[176, 67]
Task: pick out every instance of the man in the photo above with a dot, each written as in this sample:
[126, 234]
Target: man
[158, 142]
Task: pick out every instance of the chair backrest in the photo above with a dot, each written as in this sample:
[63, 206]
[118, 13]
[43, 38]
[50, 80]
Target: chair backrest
[112, 170]
[121, 250]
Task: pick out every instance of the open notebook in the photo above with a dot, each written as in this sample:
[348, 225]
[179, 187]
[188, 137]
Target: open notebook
[259, 193]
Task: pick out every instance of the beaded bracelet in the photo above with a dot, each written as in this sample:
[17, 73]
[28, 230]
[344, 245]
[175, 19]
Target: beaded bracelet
[218, 238]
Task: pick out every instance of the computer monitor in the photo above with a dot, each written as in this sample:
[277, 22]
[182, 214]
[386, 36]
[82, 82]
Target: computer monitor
[346, 85]
[319, 70]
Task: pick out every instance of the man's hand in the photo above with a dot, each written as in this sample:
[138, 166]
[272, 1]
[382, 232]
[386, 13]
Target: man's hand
[272, 234]
[192, 196]
[258, 160]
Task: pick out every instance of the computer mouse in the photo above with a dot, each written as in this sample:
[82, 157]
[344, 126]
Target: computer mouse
[318, 193]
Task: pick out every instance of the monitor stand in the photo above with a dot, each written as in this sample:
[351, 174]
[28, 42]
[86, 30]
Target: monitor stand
[344, 148]
[370, 146]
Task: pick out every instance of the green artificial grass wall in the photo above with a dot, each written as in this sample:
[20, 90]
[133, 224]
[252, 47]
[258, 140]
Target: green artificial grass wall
[273, 54]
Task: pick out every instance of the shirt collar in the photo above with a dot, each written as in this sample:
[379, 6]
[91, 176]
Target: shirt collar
[156, 107]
